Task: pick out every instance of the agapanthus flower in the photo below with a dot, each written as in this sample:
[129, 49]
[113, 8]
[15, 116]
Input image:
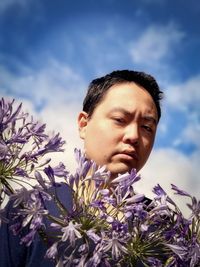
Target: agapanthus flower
[23, 143]
[116, 245]
[71, 231]
[107, 223]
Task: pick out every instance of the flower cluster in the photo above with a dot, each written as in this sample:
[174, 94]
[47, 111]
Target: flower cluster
[99, 221]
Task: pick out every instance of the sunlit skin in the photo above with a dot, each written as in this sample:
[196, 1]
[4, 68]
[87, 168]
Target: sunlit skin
[120, 132]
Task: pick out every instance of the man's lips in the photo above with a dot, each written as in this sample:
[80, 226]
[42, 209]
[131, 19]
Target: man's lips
[128, 155]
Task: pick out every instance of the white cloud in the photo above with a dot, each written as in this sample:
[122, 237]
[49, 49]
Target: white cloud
[155, 44]
[63, 119]
[54, 83]
[61, 91]
[184, 96]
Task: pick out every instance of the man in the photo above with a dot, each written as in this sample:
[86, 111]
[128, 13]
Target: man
[119, 120]
[118, 125]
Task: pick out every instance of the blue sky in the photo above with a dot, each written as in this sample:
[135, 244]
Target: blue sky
[50, 51]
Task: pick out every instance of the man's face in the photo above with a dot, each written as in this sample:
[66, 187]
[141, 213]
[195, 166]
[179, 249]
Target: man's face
[121, 131]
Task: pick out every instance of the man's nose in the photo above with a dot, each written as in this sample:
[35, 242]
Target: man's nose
[131, 134]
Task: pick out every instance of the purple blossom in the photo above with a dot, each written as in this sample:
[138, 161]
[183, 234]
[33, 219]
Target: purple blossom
[32, 212]
[21, 195]
[42, 182]
[37, 131]
[3, 150]
[116, 246]
[21, 172]
[104, 192]
[158, 190]
[179, 191]
[60, 170]
[28, 239]
[71, 232]
[181, 251]
[96, 259]
[100, 204]
[109, 223]
[16, 228]
[92, 235]
[162, 195]
[127, 179]
[195, 207]
[50, 174]
[52, 251]
[135, 198]
[154, 262]
[54, 144]
[7, 116]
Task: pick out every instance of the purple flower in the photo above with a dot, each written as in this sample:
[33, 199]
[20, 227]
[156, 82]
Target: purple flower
[54, 144]
[108, 224]
[52, 251]
[127, 179]
[154, 262]
[104, 192]
[158, 190]
[135, 198]
[3, 150]
[37, 131]
[28, 239]
[116, 245]
[60, 170]
[100, 204]
[179, 191]
[96, 259]
[71, 232]
[21, 195]
[21, 172]
[40, 179]
[50, 174]
[16, 228]
[32, 212]
[195, 207]
[162, 195]
[92, 235]
[178, 250]
[7, 116]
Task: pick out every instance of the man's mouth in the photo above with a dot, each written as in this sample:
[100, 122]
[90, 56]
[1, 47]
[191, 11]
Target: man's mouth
[128, 155]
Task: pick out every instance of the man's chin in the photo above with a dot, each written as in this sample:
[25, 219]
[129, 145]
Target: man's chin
[119, 168]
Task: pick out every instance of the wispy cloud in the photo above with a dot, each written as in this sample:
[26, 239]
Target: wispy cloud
[52, 95]
[5, 4]
[155, 44]
[54, 83]
[184, 96]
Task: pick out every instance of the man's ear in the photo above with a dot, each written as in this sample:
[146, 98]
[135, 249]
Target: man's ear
[82, 123]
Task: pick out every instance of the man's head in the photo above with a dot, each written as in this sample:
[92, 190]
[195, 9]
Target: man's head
[119, 120]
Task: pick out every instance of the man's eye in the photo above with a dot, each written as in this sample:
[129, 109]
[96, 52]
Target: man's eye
[119, 120]
[147, 128]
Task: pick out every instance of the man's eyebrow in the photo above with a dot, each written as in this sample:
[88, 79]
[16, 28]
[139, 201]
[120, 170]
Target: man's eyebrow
[122, 110]
[150, 119]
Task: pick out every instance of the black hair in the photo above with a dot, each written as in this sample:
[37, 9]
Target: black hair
[98, 88]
